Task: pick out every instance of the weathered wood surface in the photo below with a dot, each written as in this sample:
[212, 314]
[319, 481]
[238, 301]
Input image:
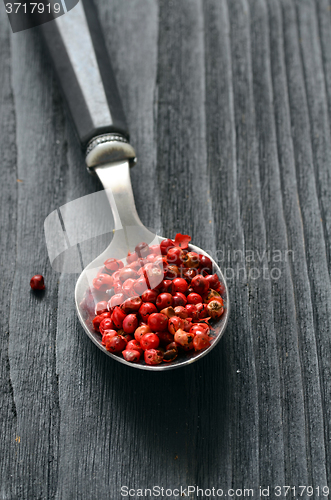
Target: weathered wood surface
[229, 106]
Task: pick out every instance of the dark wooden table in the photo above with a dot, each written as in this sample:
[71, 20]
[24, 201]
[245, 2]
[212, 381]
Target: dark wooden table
[229, 106]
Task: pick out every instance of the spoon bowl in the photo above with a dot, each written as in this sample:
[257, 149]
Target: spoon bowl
[183, 360]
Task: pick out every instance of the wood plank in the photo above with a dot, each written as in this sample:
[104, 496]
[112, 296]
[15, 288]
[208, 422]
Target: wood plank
[8, 214]
[41, 166]
[236, 451]
[276, 241]
[309, 204]
[309, 365]
[271, 444]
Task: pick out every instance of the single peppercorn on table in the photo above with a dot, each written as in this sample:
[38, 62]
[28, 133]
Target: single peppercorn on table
[229, 111]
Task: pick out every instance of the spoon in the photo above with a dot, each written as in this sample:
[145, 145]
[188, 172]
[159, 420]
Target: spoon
[129, 231]
[80, 58]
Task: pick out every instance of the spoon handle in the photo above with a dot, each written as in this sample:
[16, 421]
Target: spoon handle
[80, 58]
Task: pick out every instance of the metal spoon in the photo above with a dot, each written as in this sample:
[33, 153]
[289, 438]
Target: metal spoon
[129, 231]
[79, 54]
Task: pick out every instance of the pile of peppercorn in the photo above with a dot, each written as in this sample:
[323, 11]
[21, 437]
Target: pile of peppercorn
[158, 305]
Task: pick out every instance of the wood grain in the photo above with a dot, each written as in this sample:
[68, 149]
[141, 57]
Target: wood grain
[229, 106]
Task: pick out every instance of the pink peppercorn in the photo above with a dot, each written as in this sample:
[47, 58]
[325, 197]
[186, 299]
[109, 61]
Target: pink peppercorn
[37, 282]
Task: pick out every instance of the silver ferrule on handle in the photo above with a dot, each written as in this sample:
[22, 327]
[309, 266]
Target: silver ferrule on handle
[108, 148]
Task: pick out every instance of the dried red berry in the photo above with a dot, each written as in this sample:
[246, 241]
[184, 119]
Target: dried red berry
[116, 275]
[149, 296]
[219, 299]
[170, 355]
[172, 345]
[101, 307]
[131, 355]
[201, 341]
[118, 317]
[131, 257]
[128, 287]
[189, 273]
[113, 265]
[143, 262]
[180, 285]
[153, 357]
[160, 261]
[103, 282]
[146, 309]
[97, 320]
[127, 336]
[194, 298]
[164, 300]
[200, 284]
[117, 287]
[168, 311]
[154, 276]
[37, 282]
[130, 323]
[158, 322]
[181, 312]
[134, 345]
[107, 336]
[155, 249]
[191, 259]
[175, 323]
[199, 326]
[141, 331]
[136, 266]
[192, 311]
[184, 339]
[106, 324]
[172, 271]
[205, 262]
[165, 245]
[126, 273]
[149, 341]
[215, 309]
[187, 324]
[140, 286]
[182, 240]
[116, 344]
[179, 299]
[202, 311]
[211, 295]
[213, 281]
[165, 338]
[167, 287]
[131, 305]
[142, 250]
[116, 300]
[175, 256]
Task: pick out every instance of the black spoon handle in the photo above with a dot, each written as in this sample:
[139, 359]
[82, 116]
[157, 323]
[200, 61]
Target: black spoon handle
[77, 47]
